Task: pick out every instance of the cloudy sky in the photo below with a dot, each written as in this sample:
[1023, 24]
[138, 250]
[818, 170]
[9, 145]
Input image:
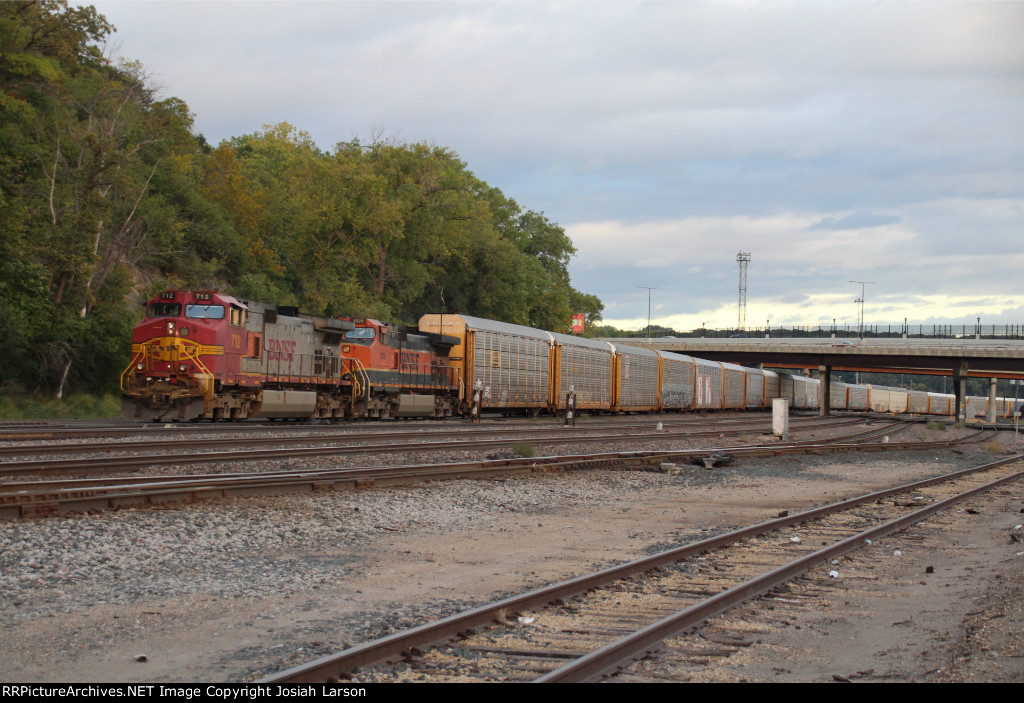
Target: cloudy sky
[834, 141]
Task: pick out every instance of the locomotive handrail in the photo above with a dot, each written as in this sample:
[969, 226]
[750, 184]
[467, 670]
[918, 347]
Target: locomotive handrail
[359, 372]
[208, 391]
[432, 375]
[183, 348]
[139, 356]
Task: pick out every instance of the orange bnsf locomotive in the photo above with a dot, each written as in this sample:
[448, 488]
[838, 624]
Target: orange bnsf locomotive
[207, 355]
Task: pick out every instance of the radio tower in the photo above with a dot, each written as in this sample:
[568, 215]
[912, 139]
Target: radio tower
[743, 258]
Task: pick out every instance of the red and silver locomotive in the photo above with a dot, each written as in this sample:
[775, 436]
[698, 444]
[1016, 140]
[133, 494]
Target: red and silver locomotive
[209, 355]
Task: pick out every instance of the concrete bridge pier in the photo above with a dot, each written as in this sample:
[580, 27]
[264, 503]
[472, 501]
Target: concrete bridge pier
[991, 417]
[825, 391]
[956, 395]
[960, 395]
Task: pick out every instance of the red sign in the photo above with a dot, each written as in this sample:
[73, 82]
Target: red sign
[280, 349]
[577, 323]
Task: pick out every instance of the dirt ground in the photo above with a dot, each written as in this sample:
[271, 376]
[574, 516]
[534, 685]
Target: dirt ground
[886, 620]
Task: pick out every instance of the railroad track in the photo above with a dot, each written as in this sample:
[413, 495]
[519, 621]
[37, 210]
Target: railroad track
[590, 627]
[48, 498]
[394, 442]
[249, 430]
[416, 437]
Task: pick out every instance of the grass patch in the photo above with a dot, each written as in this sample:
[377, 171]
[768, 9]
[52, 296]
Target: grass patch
[996, 447]
[74, 407]
[524, 449]
[935, 425]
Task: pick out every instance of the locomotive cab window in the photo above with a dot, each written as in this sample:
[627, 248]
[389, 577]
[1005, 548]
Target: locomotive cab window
[205, 312]
[164, 310]
[237, 317]
[361, 335]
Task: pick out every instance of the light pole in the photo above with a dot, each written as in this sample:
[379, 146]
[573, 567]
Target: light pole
[649, 289]
[861, 301]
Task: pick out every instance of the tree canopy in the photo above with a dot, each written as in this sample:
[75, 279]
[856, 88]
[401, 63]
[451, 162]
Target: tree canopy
[107, 195]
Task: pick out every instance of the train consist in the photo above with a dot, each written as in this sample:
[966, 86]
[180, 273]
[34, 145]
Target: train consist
[207, 355]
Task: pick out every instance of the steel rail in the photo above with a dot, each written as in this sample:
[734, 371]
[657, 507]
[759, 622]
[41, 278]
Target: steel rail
[525, 434]
[59, 484]
[128, 463]
[614, 656]
[49, 490]
[393, 647]
[333, 479]
[41, 430]
[46, 499]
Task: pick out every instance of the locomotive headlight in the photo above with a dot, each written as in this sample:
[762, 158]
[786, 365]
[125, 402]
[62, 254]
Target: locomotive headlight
[170, 328]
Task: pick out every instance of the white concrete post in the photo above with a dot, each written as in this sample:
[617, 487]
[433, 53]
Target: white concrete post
[780, 418]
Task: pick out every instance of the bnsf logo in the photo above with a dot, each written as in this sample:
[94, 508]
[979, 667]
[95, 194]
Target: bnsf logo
[280, 349]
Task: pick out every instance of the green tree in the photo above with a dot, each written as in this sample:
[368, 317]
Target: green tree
[430, 210]
[100, 149]
[95, 180]
[43, 45]
[106, 196]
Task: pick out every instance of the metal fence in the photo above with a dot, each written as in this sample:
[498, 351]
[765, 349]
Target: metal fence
[871, 331]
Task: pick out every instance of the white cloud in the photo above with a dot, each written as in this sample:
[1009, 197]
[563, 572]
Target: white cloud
[800, 272]
[820, 310]
[781, 240]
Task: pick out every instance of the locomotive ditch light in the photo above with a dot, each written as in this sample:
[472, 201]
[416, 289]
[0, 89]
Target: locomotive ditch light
[140, 366]
[182, 367]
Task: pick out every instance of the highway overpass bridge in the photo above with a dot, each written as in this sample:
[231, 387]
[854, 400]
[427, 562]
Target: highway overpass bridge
[959, 358]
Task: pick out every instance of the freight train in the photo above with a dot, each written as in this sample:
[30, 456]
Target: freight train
[208, 355]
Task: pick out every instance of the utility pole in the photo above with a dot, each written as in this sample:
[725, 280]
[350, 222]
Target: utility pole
[861, 301]
[743, 259]
[649, 289]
